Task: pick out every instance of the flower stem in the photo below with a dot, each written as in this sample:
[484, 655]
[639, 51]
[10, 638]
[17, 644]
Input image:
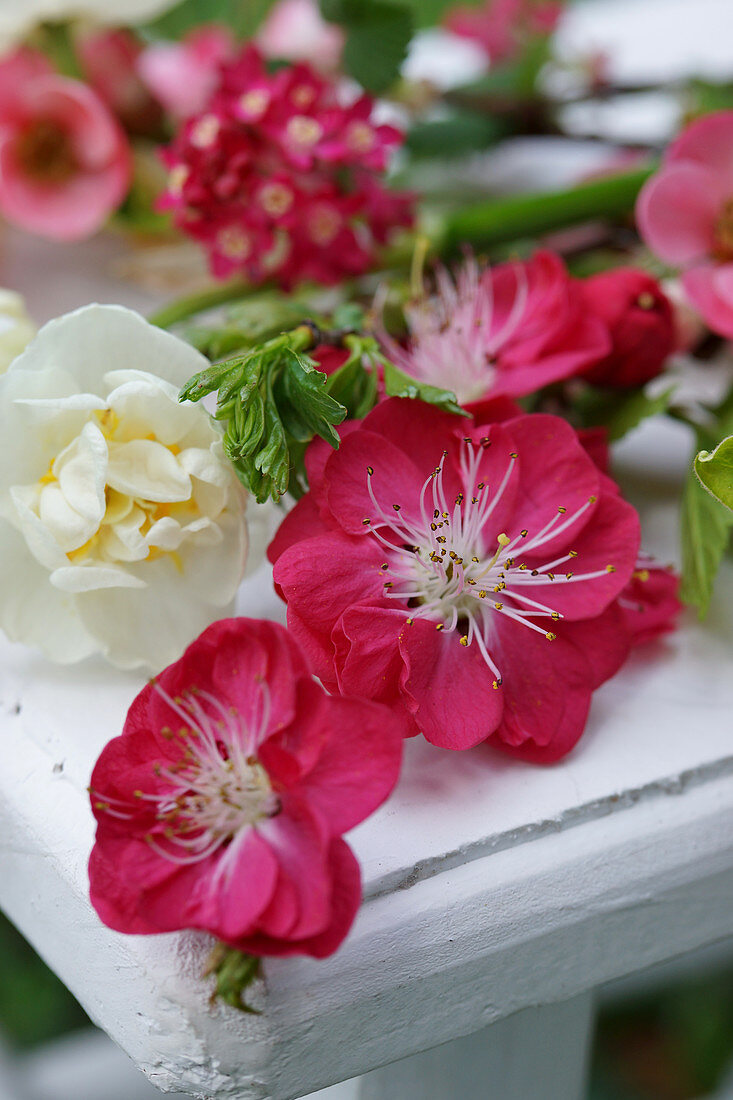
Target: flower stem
[497, 221]
[182, 308]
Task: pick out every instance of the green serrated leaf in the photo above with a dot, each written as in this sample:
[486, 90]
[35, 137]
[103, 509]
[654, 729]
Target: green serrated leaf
[706, 526]
[714, 470]
[399, 384]
[307, 393]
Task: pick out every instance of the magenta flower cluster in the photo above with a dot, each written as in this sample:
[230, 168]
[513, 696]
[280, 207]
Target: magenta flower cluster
[277, 178]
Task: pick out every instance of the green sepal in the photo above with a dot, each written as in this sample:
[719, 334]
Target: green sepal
[714, 471]
[234, 972]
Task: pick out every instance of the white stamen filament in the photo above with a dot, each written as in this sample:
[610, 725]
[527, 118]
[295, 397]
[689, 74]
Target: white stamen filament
[441, 563]
[216, 791]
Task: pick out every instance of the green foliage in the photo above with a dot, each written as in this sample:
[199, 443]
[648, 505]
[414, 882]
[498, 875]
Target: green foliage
[378, 33]
[34, 1005]
[399, 384]
[464, 132]
[714, 470]
[619, 412]
[241, 16]
[705, 534]
[234, 972]
[269, 399]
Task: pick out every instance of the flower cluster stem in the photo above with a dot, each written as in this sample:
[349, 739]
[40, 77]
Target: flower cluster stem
[234, 972]
[498, 221]
[183, 308]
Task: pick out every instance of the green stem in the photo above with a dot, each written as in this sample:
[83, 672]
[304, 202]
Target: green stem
[182, 308]
[500, 220]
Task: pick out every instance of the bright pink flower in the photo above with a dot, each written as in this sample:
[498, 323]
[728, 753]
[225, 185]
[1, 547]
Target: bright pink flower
[641, 324]
[222, 804]
[507, 331]
[109, 60]
[295, 31]
[277, 179]
[503, 27]
[183, 75]
[464, 573]
[685, 215]
[650, 602]
[64, 161]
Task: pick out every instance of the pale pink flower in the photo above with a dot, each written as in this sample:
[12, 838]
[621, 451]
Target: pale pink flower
[685, 215]
[296, 31]
[64, 160]
[183, 75]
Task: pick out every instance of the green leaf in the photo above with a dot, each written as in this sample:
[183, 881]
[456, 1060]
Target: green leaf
[399, 384]
[706, 526]
[462, 133]
[240, 16]
[354, 387]
[715, 471]
[620, 412]
[308, 396]
[635, 408]
[378, 33]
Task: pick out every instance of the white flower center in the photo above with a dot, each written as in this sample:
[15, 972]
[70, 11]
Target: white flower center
[449, 569]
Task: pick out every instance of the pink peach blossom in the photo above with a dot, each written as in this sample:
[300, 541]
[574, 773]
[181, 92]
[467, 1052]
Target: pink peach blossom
[223, 803]
[183, 75]
[685, 215]
[650, 602]
[505, 331]
[295, 30]
[64, 160]
[463, 572]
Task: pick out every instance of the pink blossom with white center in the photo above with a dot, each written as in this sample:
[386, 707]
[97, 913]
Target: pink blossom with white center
[503, 331]
[222, 804]
[464, 573]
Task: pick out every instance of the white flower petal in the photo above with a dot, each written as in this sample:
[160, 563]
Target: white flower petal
[81, 471]
[90, 578]
[145, 405]
[33, 612]
[38, 538]
[146, 469]
[95, 340]
[166, 534]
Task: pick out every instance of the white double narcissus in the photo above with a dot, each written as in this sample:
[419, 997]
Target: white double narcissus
[121, 522]
[16, 327]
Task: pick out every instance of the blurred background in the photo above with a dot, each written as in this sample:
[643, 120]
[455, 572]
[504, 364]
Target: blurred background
[668, 1035]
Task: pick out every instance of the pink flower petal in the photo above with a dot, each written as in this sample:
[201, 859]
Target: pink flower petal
[449, 687]
[707, 141]
[677, 210]
[709, 289]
